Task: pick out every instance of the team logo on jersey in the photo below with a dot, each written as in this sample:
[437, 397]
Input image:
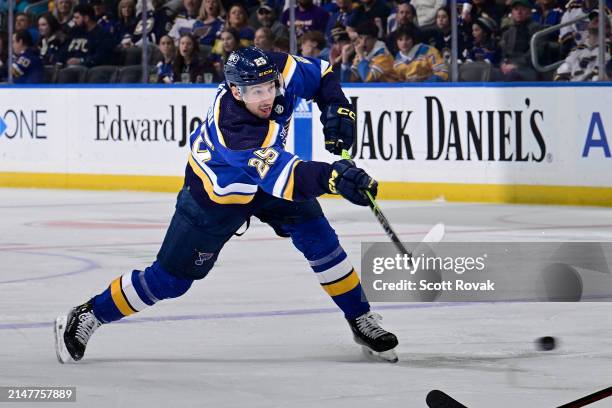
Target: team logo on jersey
[261, 61]
[279, 109]
[203, 257]
[233, 59]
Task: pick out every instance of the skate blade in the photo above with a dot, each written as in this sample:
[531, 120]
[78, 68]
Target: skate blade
[389, 356]
[63, 356]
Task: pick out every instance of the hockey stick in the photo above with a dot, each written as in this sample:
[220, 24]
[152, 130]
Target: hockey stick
[589, 399]
[434, 235]
[439, 399]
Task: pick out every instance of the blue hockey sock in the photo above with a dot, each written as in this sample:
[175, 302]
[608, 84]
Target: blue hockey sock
[317, 240]
[137, 290]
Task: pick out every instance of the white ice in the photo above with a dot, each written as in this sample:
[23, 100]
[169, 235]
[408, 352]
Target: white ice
[260, 332]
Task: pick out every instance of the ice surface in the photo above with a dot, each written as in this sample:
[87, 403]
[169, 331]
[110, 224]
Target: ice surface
[259, 332]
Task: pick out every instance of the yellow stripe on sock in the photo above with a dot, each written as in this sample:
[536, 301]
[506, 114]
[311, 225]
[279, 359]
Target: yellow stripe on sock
[119, 298]
[342, 286]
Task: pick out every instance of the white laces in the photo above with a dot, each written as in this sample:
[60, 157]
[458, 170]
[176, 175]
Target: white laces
[368, 324]
[88, 323]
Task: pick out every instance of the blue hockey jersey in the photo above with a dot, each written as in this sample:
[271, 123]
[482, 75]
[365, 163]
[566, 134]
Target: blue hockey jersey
[234, 153]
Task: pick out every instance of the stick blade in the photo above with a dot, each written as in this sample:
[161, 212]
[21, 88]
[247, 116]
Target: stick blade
[439, 399]
[435, 234]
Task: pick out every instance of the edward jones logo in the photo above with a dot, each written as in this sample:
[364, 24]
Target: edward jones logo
[23, 124]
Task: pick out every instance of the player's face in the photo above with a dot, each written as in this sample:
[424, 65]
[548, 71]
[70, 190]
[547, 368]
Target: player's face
[259, 98]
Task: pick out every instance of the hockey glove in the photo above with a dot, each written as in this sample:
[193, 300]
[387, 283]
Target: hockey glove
[351, 182]
[338, 128]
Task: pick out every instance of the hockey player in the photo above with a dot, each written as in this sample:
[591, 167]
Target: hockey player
[238, 168]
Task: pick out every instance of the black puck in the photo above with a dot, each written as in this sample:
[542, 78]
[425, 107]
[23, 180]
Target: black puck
[546, 343]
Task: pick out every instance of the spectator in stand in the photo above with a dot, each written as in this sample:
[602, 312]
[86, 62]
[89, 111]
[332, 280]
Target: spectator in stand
[372, 61]
[443, 26]
[185, 20]
[264, 39]
[228, 42]
[165, 67]
[238, 19]
[22, 22]
[426, 11]
[87, 44]
[405, 14]
[63, 14]
[575, 34]
[484, 46]
[208, 29]
[266, 17]
[547, 13]
[188, 67]
[27, 65]
[126, 23]
[158, 23]
[308, 17]
[340, 39]
[103, 19]
[314, 45]
[475, 8]
[515, 44]
[281, 44]
[369, 11]
[51, 39]
[415, 61]
[3, 56]
[342, 16]
[582, 64]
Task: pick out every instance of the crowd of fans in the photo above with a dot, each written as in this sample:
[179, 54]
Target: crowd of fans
[365, 41]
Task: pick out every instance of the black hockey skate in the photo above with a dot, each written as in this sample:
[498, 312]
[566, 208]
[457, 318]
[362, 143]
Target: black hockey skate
[72, 332]
[376, 342]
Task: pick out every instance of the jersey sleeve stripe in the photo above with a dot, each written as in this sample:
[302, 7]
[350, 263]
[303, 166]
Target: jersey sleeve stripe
[289, 69]
[208, 187]
[270, 139]
[326, 68]
[282, 179]
[288, 192]
[217, 111]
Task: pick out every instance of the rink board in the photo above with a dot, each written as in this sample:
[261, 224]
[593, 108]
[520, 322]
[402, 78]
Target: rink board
[533, 144]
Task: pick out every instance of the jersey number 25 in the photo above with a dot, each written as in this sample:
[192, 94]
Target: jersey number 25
[265, 158]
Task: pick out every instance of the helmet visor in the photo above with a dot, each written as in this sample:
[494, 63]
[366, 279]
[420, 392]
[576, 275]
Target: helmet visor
[258, 93]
